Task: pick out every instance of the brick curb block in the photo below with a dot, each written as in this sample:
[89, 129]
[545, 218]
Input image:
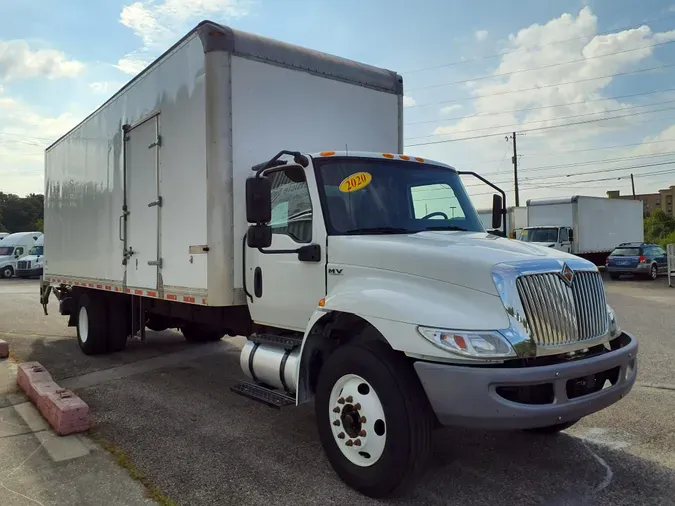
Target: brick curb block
[65, 411]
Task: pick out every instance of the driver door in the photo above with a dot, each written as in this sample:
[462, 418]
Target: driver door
[285, 291]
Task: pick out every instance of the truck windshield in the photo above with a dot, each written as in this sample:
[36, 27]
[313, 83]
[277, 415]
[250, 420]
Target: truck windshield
[37, 250]
[7, 250]
[540, 234]
[370, 196]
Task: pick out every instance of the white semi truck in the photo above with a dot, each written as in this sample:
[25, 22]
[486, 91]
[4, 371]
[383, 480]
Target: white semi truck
[243, 186]
[590, 227]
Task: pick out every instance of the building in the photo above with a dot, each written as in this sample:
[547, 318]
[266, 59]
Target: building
[663, 200]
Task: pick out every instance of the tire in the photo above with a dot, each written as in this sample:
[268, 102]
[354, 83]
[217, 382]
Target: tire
[552, 429]
[200, 334]
[653, 272]
[406, 424]
[92, 324]
[7, 272]
[120, 326]
[614, 275]
[156, 323]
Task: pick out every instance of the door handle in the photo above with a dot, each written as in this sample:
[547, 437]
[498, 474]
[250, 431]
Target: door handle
[257, 282]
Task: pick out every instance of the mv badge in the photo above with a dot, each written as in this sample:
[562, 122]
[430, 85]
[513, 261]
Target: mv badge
[567, 274]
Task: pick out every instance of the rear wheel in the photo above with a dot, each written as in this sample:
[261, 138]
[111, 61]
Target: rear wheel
[614, 275]
[653, 272]
[373, 419]
[120, 326]
[92, 324]
[200, 333]
[552, 429]
[7, 272]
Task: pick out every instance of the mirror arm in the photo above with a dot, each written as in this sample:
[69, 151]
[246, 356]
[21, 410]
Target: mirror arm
[298, 158]
[471, 173]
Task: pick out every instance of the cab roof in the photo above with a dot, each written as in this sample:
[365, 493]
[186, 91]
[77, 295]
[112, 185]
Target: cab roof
[376, 155]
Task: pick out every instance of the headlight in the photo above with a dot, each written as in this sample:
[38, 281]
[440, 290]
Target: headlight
[479, 344]
[614, 329]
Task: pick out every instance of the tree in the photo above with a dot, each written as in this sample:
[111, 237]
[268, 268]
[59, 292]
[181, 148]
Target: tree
[659, 227]
[21, 214]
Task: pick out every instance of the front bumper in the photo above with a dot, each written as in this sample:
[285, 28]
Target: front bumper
[474, 396]
[28, 273]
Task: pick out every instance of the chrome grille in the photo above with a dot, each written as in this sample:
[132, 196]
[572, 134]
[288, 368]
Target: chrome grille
[23, 265]
[558, 313]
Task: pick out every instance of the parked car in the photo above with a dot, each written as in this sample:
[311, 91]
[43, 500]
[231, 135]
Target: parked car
[638, 258]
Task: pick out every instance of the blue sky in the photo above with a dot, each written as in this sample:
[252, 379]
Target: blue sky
[60, 60]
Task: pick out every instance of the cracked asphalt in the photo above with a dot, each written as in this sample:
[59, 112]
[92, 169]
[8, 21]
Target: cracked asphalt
[168, 405]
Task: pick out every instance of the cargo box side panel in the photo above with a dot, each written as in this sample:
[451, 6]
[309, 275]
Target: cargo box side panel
[603, 223]
[275, 108]
[84, 177]
[550, 215]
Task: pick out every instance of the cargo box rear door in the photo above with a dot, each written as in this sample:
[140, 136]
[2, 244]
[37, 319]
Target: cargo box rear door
[143, 204]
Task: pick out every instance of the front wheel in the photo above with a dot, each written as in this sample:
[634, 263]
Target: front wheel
[373, 419]
[552, 429]
[6, 272]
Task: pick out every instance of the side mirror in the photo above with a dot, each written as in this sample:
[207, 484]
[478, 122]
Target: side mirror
[571, 235]
[497, 205]
[259, 236]
[258, 200]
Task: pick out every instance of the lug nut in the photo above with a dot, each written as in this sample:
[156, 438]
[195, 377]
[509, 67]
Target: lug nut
[341, 400]
[350, 443]
[336, 423]
[363, 419]
[357, 406]
[362, 433]
[349, 399]
[336, 410]
[357, 442]
[341, 435]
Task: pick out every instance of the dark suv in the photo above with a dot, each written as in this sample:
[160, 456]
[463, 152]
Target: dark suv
[637, 258]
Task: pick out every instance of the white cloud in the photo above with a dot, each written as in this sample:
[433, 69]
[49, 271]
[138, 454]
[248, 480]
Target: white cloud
[408, 101]
[481, 35]
[450, 108]
[19, 61]
[105, 87]
[160, 23]
[536, 46]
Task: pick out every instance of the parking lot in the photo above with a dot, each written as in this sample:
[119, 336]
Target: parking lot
[167, 405]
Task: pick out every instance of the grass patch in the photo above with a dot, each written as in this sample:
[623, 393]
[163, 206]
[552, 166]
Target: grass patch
[124, 461]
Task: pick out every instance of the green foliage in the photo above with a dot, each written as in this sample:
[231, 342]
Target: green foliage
[660, 228]
[21, 214]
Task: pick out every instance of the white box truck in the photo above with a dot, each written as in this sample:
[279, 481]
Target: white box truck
[590, 227]
[227, 190]
[516, 220]
[13, 248]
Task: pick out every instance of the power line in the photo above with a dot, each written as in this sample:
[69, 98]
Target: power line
[617, 74]
[481, 115]
[537, 129]
[495, 55]
[550, 65]
[585, 150]
[560, 118]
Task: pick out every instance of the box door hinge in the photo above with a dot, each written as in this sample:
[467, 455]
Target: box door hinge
[157, 202]
[158, 263]
[157, 143]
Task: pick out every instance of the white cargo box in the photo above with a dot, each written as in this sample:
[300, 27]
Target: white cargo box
[156, 175]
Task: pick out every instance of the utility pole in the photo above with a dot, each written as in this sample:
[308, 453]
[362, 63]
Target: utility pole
[632, 183]
[514, 159]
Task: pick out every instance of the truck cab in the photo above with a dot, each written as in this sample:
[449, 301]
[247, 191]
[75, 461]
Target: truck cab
[13, 248]
[32, 265]
[558, 238]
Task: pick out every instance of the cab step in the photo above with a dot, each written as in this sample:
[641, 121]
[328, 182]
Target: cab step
[287, 341]
[262, 394]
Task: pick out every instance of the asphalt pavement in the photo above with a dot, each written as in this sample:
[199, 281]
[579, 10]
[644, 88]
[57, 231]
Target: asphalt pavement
[167, 405]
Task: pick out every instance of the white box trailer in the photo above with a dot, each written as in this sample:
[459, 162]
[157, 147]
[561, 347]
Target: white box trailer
[516, 220]
[185, 202]
[590, 227]
[144, 187]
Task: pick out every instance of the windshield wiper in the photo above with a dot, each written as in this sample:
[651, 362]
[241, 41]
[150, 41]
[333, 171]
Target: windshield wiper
[447, 227]
[380, 230]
